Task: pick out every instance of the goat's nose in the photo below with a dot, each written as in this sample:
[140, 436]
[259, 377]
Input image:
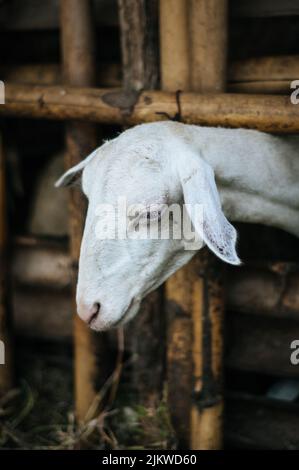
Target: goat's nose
[88, 312]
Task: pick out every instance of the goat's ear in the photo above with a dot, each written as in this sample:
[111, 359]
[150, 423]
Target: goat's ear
[199, 187]
[72, 175]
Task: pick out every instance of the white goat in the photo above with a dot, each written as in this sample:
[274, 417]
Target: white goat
[166, 162]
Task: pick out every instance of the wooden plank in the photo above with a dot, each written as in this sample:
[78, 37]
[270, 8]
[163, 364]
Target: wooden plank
[271, 290]
[194, 300]
[264, 68]
[259, 344]
[254, 75]
[266, 113]
[174, 45]
[51, 74]
[175, 75]
[208, 58]
[208, 64]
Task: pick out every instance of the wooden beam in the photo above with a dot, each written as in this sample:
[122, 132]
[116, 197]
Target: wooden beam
[208, 74]
[6, 369]
[108, 75]
[261, 345]
[139, 43]
[79, 70]
[266, 113]
[194, 294]
[145, 335]
[270, 74]
[264, 68]
[271, 290]
[175, 75]
[174, 45]
[208, 45]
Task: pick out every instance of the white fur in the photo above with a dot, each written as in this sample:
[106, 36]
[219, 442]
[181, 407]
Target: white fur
[256, 176]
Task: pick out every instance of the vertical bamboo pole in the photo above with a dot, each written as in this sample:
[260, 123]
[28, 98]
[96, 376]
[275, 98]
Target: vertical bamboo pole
[139, 44]
[208, 60]
[195, 293]
[6, 369]
[175, 75]
[174, 45]
[79, 70]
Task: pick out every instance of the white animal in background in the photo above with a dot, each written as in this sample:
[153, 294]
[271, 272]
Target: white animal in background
[49, 211]
[256, 181]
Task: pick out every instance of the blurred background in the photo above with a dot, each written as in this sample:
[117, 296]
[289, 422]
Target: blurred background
[261, 391]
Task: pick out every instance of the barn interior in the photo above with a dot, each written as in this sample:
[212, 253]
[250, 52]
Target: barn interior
[261, 386]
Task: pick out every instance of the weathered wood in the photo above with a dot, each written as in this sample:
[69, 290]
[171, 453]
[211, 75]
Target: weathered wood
[207, 347]
[208, 64]
[208, 45]
[195, 330]
[175, 75]
[139, 41]
[51, 74]
[264, 68]
[266, 113]
[181, 302]
[254, 75]
[174, 46]
[263, 74]
[261, 344]
[79, 69]
[6, 370]
[271, 290]
[255, 422]
[146, 333]
[271, 87]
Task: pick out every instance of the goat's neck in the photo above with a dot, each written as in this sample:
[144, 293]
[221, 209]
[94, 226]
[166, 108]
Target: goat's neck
[257, 174]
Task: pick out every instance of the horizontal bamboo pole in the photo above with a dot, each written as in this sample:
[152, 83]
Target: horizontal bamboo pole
[264, 68]
[268, 289]
[51, 74]
[274, 87]
[271, 290]
[261, 344]
[255, 75]
[263, 112]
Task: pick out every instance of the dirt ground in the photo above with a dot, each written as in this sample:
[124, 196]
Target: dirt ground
[39, 413]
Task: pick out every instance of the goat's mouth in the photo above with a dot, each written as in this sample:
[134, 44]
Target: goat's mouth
[129, 313]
